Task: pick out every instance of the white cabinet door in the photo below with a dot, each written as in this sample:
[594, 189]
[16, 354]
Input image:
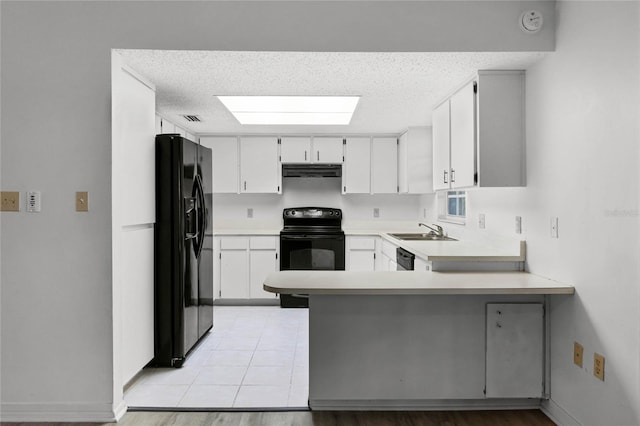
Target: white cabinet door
[515, 349]
[295, 149]
[362, 253]
[463, 137]
[262, 262]
[356, 171]
[384, 166]
[441, 146]
[224, 153]
[415, 161]
[327, 150]
[362, 260]
[233, 274]
[259, 166]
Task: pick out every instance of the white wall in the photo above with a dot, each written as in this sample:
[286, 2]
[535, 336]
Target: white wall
[583, 160]
[56, 268]
[357, 209]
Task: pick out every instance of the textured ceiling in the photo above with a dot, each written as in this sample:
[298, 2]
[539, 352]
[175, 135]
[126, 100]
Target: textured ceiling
[397, 90]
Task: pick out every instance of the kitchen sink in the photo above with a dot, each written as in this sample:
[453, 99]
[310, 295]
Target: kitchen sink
[421, 237]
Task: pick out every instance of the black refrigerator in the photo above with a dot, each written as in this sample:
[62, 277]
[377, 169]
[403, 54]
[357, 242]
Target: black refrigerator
[183, 248]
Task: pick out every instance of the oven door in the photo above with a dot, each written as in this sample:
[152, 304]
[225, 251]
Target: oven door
[302, 252]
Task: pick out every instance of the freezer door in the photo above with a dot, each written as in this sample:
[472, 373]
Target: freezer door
[205, 261]
[189, 240]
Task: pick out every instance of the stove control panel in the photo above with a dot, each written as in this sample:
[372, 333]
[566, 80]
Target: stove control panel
[312, 213]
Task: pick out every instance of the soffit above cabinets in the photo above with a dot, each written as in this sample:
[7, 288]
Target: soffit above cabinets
[398, 90]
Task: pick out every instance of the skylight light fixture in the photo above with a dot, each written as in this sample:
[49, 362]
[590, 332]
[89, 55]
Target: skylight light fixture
[291, 110]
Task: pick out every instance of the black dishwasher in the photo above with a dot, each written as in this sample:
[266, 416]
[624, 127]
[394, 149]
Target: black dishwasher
[404, 259]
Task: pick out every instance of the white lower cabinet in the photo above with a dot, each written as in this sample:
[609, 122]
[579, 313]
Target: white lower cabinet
[515, 350]
[263, 260]
[244, 263]
[233, 274]
[361, 253]
[388, 257]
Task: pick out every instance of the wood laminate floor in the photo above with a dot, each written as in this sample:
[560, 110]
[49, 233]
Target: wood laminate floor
[326, 418]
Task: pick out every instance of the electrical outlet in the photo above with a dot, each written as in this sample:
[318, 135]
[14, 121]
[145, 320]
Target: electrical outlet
[518, 224]
[578, 350]
[598, 366]
[376, 212]
[249, 213]
[554, 227]
[10, 201]
[481, 222]
[82, 201]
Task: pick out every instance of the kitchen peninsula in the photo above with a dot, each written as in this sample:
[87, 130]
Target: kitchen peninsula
[424, 340]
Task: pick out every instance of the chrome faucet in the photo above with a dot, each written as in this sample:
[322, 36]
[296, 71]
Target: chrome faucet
[437, 230]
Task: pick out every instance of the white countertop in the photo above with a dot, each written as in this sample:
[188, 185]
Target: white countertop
[495, 250]
[411, 283]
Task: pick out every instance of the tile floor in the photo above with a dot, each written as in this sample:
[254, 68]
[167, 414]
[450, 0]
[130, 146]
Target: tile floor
[254, 357]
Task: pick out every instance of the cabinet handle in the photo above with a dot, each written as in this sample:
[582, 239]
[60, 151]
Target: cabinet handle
[305, 155]
[453, 175]
[245, 185]
[498, 325]
[444, 178]
[318, 155]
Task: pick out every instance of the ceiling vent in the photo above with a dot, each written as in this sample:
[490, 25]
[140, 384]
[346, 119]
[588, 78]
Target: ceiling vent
[192, 118]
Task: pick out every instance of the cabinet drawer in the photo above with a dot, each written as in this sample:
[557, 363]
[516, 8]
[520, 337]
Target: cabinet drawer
[362, 243]
[266, 242]
[233, 243]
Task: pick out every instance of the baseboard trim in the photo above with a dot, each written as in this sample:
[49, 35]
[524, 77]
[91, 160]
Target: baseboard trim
[558, 414]
[62, 412]
[424, 404]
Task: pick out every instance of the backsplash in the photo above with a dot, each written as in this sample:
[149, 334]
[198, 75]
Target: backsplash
[230, 210]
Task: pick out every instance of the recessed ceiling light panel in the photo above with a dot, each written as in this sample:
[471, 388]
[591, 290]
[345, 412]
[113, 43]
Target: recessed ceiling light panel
[295, 110]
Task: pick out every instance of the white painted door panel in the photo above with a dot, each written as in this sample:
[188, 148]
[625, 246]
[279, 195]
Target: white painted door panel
[514, 350]
[384, 166]
[259, 165]
[356, 177]
[224, 153]
[295, 149]
[441, 147]
[463, 137]
[263, 262]
[233, 274]
[327, 150]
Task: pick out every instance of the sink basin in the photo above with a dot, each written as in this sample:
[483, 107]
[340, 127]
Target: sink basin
[421, 237]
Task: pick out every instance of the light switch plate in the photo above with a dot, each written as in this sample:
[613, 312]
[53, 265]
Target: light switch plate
[10, 201]
[376, 212]
[518, 224]
[249, 213]
[82, 201]
[34, 203]
[554, 227]
[481, 221]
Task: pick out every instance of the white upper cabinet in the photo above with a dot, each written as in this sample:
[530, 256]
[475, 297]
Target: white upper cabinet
[463, 146]
[295, 149]
[327, 150]
[259, 165]
[225, 162]
[441, 146]
[356, 171]
[384, 165]
[478, 133]
[415, 162]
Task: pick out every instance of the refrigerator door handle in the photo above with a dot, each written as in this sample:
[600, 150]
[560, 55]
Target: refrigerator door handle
[202, 216]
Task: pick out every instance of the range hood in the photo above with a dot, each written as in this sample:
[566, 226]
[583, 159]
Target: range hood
[311, 170]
